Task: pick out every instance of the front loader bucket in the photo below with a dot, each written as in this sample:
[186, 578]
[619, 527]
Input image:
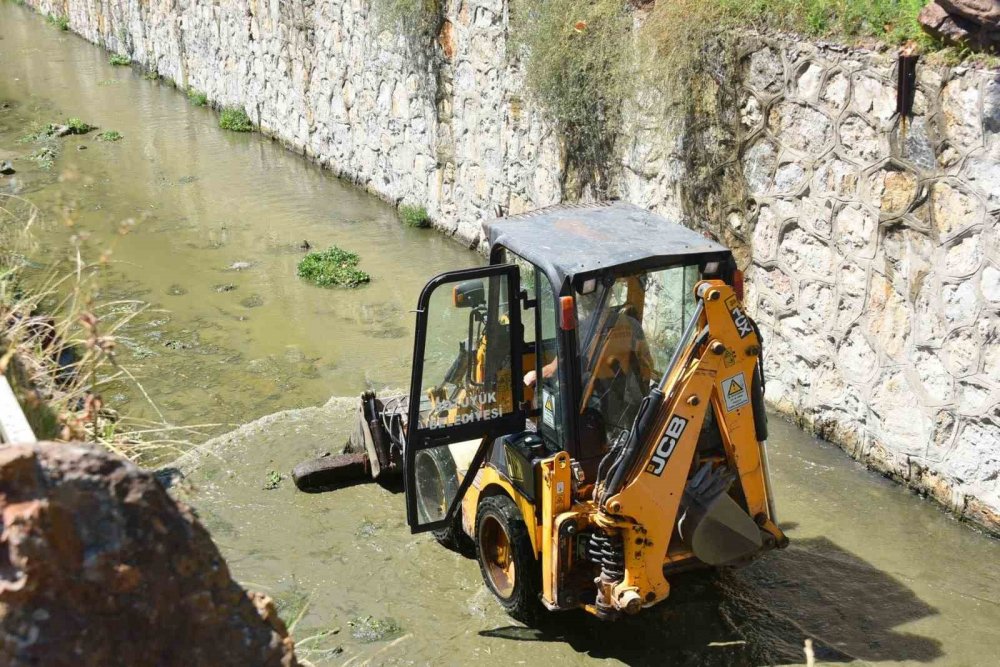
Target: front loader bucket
[374, 450]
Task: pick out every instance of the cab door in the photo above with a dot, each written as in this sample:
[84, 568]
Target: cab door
[466, 388]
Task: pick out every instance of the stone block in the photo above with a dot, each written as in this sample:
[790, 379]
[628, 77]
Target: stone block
[953, 208]
[960, 352]
[856, 357]
[854, 227]
[758, 166]
[765, 71]
[961, 123]
[861, 141]
[802, 253]
[836, 90]
[801, 128]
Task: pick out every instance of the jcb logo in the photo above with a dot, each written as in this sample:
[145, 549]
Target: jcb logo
[666, 447]
[740, 319]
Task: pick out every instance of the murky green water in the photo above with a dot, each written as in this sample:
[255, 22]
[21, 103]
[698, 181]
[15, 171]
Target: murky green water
[229, 345]
[874, 575]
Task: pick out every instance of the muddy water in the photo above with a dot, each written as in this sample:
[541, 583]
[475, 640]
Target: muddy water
[221, 344]
[874, 575]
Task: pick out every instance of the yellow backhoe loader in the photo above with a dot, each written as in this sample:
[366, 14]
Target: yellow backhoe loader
[586, 412]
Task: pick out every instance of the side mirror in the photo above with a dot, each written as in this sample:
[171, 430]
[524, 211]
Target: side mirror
[470, 294]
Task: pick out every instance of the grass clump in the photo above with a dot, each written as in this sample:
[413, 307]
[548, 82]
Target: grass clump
[59, 342]
[197, 98]
[119, 60]
[110, 135]
[60, 21]
[333, 267]
[235, 119]
[414, 216]
[77, 126]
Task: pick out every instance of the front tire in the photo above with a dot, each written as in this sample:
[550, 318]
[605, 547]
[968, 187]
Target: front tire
[506, 558]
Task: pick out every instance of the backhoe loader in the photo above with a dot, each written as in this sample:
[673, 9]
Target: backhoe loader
[586, 412]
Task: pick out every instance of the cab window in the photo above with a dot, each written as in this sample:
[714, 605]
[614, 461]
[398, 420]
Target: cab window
[541, 349]
[628, 329]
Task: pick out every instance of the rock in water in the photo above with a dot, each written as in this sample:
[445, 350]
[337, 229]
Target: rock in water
[99, 566]
[6, 168]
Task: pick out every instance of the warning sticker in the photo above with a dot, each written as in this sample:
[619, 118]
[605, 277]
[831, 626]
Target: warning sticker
[734, 390]
[548, 409]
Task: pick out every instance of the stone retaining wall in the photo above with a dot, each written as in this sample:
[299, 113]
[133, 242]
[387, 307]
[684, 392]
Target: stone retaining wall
[872, 247]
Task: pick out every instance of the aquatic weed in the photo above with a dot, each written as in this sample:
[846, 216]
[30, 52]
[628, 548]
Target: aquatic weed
[77, 126]
[60, 21]
[273, 480]
[197, 98]
[119, 60]
[235, 119]
[110, 135]
[333, 267]
[414, 216]
[369, 629]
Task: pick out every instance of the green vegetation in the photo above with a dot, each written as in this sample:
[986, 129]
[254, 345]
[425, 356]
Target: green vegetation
[235, 120]
[151, 75]
[577, 66]
[59, 343]
[370, 629]
[272, 481]
[415, 19]
[77, 126]
[414, 216]
[60, 21]
[119, 60]
[333, 267]
[197, 98]
[110, 135]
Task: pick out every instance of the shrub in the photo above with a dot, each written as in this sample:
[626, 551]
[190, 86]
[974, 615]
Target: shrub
[235, 120]
[119, 60]
[414, 216]
[110, 135]
[577, 67]
[197, 98]
[333, 267]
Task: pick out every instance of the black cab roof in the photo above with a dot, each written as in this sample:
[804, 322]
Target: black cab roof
[570, 241]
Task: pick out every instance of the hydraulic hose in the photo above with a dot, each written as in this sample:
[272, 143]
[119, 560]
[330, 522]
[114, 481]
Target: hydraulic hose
[649, 409]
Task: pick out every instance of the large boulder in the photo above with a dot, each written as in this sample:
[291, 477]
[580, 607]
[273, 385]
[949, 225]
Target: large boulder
[99, 566]
[971, 23]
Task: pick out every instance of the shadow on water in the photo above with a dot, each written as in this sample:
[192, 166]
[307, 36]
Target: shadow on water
[758, 615]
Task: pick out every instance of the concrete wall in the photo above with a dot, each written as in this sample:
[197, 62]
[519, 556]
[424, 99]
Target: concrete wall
[872, 248]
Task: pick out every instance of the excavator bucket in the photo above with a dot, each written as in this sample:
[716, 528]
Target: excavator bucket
[714, 526]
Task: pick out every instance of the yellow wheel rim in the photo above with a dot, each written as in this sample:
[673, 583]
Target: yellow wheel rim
[498, 556]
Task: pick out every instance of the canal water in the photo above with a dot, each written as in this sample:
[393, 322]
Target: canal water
[874, 575]
[217, 221]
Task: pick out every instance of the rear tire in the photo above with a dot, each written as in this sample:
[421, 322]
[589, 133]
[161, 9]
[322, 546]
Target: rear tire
[506, 559]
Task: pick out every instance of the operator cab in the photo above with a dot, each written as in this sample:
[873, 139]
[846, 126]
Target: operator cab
[552, 347]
